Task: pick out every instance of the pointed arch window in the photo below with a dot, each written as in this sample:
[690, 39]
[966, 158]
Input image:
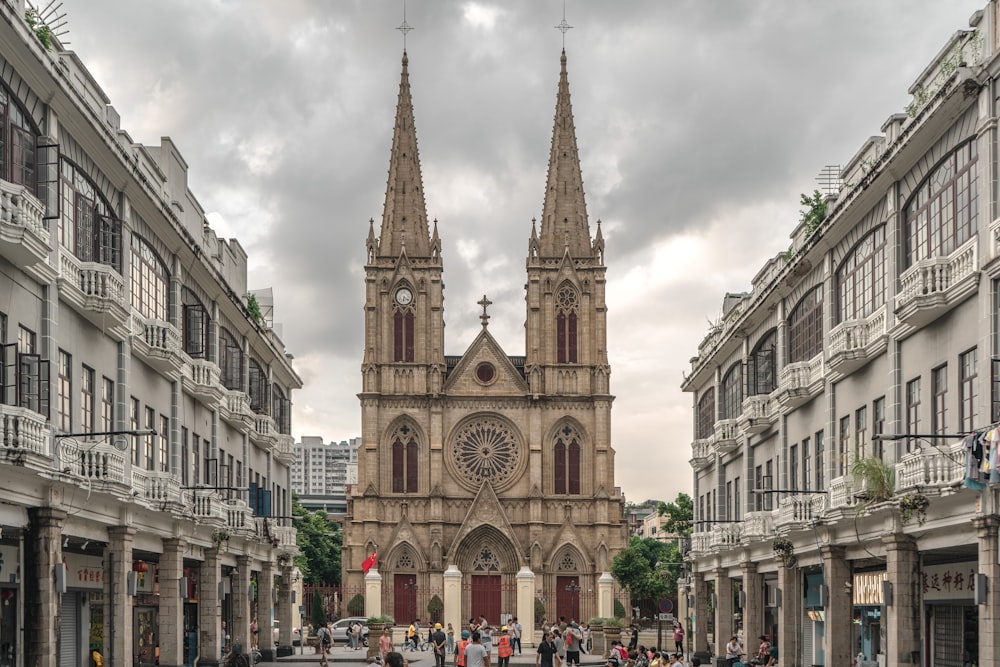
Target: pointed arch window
[762, 365]
[405, 452]
[566, 462]
[403, 320]
[230, 361]
[732, 392]
[805, 327]
[706, 414]
[567, 306]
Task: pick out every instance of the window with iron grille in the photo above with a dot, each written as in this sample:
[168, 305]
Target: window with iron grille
[805, 327]
[762, 365]
[87, 399]
[230, 361]
[939, 399]
[706, 414]
[912, 411]
[258, 388]
[861, 278]
[968, 390]
[732, 392]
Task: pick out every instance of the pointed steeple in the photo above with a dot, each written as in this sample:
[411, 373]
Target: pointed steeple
[564, 214]
[405, 213]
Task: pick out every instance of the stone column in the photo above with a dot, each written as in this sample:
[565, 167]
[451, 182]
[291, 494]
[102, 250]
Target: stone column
[453, 598]
[790, 614]
[284, 613]
[989, 613]
[42, 602]
[605, 597]
[118, 608]
[753, 606]
[837, 642]
[373, 593]
[265, 612]
[699, 620]
[525, 606]
[171, 614]
[210, 609]
[902, 622]
[723, 611]
[241, 603]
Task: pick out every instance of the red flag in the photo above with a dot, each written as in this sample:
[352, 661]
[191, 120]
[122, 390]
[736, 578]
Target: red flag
[370, 562]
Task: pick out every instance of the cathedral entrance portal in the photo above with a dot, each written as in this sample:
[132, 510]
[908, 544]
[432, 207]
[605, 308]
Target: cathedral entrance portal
[486, 594]
[404, 593]
[568, 597]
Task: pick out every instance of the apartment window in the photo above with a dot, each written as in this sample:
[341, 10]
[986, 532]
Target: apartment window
[762, 365]
[17, 151]
[729, 502]
[230, 361]
[805, 327]
[87, 399]
[134, 423]
[281, 410]
[107, 404]
[793, 467]
[941, 213]
[706, 414]
[86, 225]
[861, 432]
[968, 390]
[148, 442]
[195, 324]
[701, 510]
[30, 381]
[994, 389]
[861, 278]
[843, 447]
[878, 425]
[206, 460]
[939, 400]
[769, 476]
[732, 392]
[185, 458]
[257, 388]
[806, 464]
[150, 281]
[912, 411]
[758, 478]
[820, 463]
[65, 388]
[737, 508]
[164, 454]
[25, 340]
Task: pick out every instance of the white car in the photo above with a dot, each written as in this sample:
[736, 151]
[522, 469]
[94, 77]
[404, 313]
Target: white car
[296, 635]
[340, 627]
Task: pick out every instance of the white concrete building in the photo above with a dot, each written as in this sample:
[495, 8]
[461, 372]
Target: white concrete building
[321, 472]
[145, 426]
[881, 318]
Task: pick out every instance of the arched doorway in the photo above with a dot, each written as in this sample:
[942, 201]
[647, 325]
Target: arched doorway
[490, 563]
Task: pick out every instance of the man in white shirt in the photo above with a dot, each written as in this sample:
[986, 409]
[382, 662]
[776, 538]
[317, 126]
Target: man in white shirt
[476, 654]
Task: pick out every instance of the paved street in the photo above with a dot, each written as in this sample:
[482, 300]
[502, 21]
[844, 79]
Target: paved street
[345, 656]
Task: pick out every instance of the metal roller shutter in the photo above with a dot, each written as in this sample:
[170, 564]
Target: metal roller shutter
[69, 631]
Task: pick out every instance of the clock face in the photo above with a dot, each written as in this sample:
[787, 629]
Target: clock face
[404, 296]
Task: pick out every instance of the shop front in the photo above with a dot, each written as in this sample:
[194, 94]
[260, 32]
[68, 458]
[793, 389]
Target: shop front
[9, 603]
[81, 609]
[951, 617]
[145, 614]
[868, 629]
[190, 616]
[814, 620]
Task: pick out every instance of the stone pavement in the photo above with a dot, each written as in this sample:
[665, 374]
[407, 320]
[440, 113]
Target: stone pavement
[344, 657]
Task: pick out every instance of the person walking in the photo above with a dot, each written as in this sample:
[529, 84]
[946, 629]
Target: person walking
[324, 638]
[476, 654]
[504, 648]
[560, 642]
[385, 644]
[438, 641]
[515, 635]
[460, 649]
[547, 655]
[573, 640]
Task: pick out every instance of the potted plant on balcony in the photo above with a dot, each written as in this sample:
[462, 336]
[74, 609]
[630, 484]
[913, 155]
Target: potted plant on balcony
[913, 504]
[785, 551]
[219, 536]
[874, 481]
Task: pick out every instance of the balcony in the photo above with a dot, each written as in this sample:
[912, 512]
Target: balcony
[931, 467]
[702, 454]
[727, 436]
[799, 383]
[758, 414]
[264, 432]
[285, 535]
[932, 287]
[205, 506]
[202, 379]
[239, 518]
[799, 511]
[284, 451]
[235, 409]
[24, 240]
[758, 526]
[24, 435]
[97, 292]
[158, 343]
[157, 489]
[700, 542]
[854, 343]
[841, 492]
[92, 463]
[725, 536]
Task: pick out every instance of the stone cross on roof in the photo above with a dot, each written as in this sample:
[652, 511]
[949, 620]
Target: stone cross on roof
[485, 303]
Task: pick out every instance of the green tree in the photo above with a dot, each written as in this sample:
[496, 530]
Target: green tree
[679, 513]
[635, 568]
[319, 542]
[318, 612]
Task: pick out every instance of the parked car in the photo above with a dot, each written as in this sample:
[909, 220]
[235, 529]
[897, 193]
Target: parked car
[340, 629]
[296, 635]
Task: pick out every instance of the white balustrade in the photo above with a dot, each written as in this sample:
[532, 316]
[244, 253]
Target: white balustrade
[841, 489]
[854, 335]
[937, 274]
[23, 429]
[931, 467]
[94, 461]
[156, 486]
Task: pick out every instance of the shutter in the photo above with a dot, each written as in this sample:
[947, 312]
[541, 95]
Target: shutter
[408, 319]
[254, 505]
[265, 504]
[947, 637]
[48, 182]
[807, 641]
[69, 631]
[397, 336]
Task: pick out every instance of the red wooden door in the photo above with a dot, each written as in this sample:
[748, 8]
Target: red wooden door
[486, 597]
[404, 592]
[568, 598]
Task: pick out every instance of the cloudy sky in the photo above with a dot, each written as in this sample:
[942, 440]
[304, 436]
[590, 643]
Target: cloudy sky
[699, 123]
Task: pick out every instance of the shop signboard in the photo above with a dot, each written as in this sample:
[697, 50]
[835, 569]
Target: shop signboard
[949, 581]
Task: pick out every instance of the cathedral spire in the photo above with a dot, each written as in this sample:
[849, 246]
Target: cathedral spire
[405, 213]
[564, 214]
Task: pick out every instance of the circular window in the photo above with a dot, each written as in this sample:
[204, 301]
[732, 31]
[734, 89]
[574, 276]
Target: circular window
[486, 449]
[485, 372]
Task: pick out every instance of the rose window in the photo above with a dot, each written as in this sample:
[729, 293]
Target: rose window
[486, 450]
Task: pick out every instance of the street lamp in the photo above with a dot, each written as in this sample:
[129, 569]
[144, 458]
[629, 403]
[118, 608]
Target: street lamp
[573, 588]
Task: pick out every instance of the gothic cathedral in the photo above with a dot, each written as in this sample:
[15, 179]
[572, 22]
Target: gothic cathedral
[483, 469]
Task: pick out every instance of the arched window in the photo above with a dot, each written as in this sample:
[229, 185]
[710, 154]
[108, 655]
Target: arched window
[762, 365]
[706, 414]
[257, 387]
[566, 462]
[402, 324]
[861, 278]
[805, 327]
[86, 225]
[150, 281]
[17, 159]
[732, 392]
[405, 452]
[230, 360]
[281, 410]
[941, 213]
[567, 305]
[195, 324]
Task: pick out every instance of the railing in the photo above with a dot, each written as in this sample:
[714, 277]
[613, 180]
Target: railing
[726, 536]
[285, 448]
[96, 462]
[964, 49]
[23, 429]
[160, 336]
[758, 524]
[702, 448]
[22, 210]
[701, 541]
[931, 467]
[841, 489]
[205, 505]
[264, 426]
[937, 274]
[854, 335]
[99, 283]
[285, 535]
[995, 236]
[727, 434]
[238, 403]
[801, 508]
[156, 486]
[205, 374]
[238, 515]
[800, 375]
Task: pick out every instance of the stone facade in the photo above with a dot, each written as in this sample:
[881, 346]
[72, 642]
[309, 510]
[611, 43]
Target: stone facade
[494, 467]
